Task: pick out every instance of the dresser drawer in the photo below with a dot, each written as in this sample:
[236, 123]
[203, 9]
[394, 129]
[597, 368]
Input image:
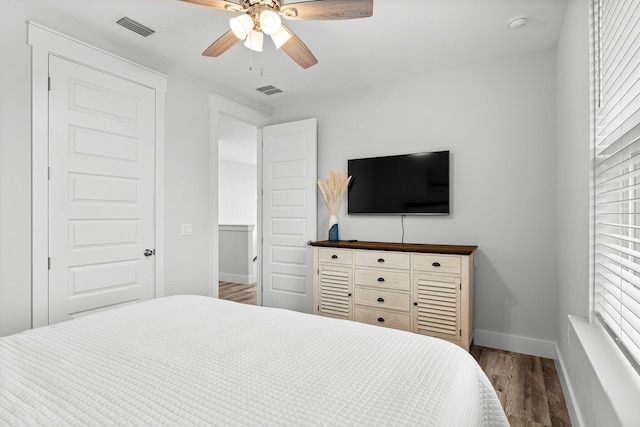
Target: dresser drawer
[383, 299]
[380, 317]
[451, 264]
[335, 256]
[399, 280]
[395, 260]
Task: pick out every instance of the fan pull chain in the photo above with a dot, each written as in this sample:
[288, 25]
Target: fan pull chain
[251, 64]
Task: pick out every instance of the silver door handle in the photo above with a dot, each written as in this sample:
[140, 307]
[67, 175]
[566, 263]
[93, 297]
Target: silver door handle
[149, 252]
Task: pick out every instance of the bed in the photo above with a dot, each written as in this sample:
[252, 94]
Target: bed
[189, 360]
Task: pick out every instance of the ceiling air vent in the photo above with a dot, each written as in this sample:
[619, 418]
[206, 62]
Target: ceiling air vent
[269, 90]
[134, 26]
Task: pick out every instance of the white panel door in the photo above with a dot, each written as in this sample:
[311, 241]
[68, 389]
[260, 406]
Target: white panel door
[289, 175]
[101, 190]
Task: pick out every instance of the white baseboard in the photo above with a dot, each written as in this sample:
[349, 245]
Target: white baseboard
[567, 390]
[515, 343]
[236, 278]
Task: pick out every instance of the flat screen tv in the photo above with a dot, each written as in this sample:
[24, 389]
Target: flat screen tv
[409, 184]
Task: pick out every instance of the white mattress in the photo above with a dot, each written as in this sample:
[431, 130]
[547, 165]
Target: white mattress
[188, 360]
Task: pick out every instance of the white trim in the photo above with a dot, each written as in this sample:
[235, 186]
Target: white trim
[47, 42]
[532, 346]
[237, 278]
[567, 390]
[237, 227]
[615, 377]
[79, 51]
[159, 181]
[217, 106]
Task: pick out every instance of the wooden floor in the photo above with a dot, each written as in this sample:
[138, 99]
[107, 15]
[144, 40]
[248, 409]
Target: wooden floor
[528, 386]
[245, 294]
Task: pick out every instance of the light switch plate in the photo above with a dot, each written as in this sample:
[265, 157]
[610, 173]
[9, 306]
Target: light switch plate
[187, 229]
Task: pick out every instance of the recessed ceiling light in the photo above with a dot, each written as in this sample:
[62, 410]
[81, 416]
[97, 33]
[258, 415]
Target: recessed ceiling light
[517, 22]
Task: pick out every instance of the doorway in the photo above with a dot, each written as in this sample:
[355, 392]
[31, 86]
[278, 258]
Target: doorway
[286, 202]
[49, 47]
[237, 210]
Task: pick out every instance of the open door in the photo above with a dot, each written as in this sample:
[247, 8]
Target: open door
[289, 214]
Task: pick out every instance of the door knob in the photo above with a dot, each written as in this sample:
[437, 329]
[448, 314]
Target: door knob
[149, 252]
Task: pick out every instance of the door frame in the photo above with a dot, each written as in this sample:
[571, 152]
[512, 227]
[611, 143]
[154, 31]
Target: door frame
[45, 42]
[223, 106]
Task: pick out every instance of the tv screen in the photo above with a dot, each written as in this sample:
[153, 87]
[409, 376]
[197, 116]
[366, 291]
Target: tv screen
[410, 184]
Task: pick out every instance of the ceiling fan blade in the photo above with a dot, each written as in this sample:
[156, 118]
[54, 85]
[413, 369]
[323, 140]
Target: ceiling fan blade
[218, 4]
[223, 44]
[328, 9]
[298, 51]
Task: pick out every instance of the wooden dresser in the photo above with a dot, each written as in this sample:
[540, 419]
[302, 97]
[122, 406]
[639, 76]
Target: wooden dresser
[426, 289]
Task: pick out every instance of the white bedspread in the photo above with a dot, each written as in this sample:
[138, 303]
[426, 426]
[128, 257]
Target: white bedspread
[189, 360]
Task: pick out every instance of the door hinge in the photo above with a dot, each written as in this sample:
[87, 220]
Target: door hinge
[49, 83]
[460, 332]
[49, 173]
[49, 263]
[460, 286]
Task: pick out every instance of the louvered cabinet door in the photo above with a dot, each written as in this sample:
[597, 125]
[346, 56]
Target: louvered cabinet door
[438, 306]
[334, 291]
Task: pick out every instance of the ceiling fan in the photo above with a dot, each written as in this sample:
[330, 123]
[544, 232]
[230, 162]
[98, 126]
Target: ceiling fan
[263, 17]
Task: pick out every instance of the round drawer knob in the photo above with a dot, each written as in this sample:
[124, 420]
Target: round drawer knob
[381, 319]
[380, 299]
[334, 256]
[436, 264]
[380, 279]
[380, 260]
[415, 303]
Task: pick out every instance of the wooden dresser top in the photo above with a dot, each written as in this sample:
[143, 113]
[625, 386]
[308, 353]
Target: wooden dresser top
[399, 247]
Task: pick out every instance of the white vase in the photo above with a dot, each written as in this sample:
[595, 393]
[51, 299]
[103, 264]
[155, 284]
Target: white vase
[333, 228]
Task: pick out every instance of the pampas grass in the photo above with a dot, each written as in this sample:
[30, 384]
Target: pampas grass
[334, 189]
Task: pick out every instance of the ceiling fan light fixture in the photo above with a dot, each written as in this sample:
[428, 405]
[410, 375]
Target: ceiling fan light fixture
[280, 37]
[241, 26]
[254, 41]
[270, 22]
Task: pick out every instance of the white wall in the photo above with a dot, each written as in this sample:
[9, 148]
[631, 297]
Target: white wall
[237, 192]
[15, 171]
[237, 204]
[236, 254]
[573, 153]
[187, 173]
[599, 384]
[187, 168]
[498, 120]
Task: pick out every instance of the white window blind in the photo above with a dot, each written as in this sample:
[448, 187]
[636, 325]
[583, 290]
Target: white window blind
[616, 29]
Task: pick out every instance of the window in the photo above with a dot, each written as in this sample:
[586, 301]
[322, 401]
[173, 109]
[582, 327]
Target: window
[616, 42]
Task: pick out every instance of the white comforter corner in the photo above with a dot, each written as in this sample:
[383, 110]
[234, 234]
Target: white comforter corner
[188, 360]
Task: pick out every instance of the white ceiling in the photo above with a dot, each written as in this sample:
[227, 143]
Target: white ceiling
[404, 38]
